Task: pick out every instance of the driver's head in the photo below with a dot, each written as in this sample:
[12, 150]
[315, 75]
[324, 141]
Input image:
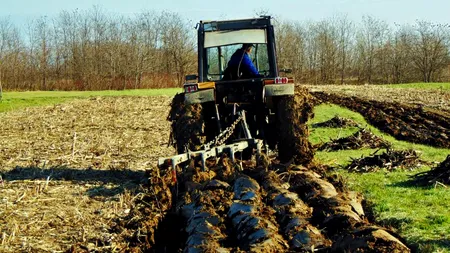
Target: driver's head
[247, 47]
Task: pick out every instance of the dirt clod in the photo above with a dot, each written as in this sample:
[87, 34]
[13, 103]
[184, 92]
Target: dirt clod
[439, 175]
[293, 113]
[336, 122]
[359, 140]
[389, 160]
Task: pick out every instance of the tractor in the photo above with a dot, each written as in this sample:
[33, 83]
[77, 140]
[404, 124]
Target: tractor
[216, 115]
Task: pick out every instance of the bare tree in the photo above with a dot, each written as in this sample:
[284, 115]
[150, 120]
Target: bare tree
[11, 67]
[312, 53]
[400, 57]
[345, 38]
[98, 21]
[69, 41]
[5, 27]
[291, 47]
[327, 50]
[430, 49]
[148, 37]
[40, 52]
[177, 45]
[113, 51]
[262, 12]
[370, 40]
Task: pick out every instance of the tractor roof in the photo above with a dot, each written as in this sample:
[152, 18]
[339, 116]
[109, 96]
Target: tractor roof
[236, 24]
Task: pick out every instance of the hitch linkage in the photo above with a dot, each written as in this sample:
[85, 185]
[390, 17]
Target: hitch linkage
[230, 149]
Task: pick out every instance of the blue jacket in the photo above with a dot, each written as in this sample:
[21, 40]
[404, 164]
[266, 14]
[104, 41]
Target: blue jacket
[247, 68]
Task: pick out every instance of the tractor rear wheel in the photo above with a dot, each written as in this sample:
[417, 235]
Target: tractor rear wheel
[293, 113]
[188, 125]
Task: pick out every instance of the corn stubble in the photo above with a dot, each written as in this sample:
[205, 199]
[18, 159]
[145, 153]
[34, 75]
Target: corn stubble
[57, 190]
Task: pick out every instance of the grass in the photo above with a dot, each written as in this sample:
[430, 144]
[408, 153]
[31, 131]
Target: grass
[17, 100]
[421, 215]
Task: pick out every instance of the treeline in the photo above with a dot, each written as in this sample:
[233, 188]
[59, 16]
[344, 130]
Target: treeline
[91, 50]
[339, 51]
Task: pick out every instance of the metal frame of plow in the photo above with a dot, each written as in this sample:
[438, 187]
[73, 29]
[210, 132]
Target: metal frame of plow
[230, 149]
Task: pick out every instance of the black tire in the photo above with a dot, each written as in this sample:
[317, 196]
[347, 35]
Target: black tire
[293, 113]
[188, 125]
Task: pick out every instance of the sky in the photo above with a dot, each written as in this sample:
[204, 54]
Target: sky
[20, 12]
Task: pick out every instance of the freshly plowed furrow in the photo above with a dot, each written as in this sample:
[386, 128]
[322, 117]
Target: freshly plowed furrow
[205, 227]
[331, 210]
[144, 224]
[368, 239]
[293, 215]
[341, 216]
[255, 233]
[404, 122]
[261, 211]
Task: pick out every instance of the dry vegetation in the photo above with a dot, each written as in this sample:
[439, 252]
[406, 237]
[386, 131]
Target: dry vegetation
[157, 49]
[70, 170]
[126, 132]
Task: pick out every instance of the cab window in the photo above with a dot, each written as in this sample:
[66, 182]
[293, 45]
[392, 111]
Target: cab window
[218, 57]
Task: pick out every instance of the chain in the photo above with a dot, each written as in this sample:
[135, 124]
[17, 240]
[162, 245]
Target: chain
[224, 135]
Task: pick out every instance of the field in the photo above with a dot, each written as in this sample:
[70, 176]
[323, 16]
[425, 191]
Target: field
[76, 172]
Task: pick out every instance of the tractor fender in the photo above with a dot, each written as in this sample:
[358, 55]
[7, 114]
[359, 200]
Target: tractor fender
[198, 97]
[271, 90]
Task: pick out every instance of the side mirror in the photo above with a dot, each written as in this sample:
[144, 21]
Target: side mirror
[286, 70]
[191, 77]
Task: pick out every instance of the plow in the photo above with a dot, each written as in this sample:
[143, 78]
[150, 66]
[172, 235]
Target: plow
[213, 150]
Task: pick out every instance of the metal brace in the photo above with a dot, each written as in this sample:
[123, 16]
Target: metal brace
[214, 151]
[229, 149]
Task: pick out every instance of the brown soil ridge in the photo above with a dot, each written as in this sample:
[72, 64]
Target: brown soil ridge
[227, 209]
[404, 122]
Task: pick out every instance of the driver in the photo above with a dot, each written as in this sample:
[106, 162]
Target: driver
[240, 65]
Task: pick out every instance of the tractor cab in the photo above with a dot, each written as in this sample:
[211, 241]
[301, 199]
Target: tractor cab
[217, 42]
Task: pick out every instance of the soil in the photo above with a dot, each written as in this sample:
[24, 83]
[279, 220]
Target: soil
[336, 122]
[263, 211]
[80, 177]
[436, 100]
[69, 172]
[245, 206]
[403, 121]
[439, 175]
[389, 160]
[189, 129]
